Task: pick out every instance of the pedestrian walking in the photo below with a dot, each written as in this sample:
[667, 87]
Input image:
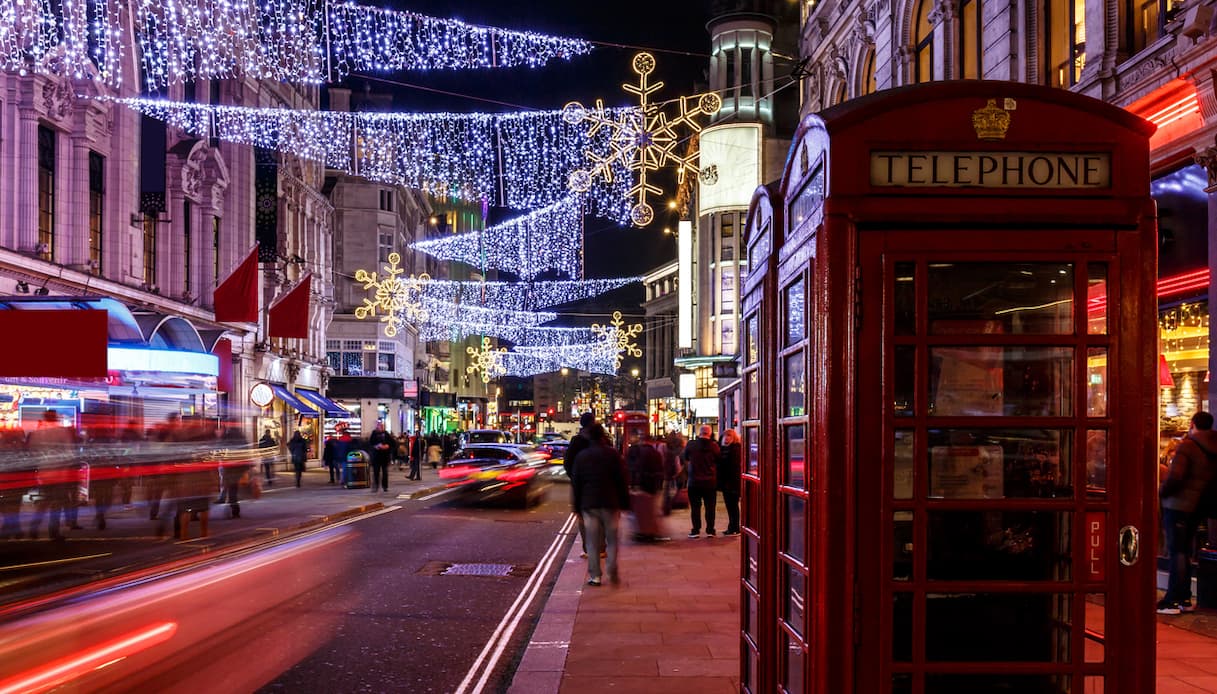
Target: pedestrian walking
[645, 467]
[728, 473]
[297, 446]
[335, 452]
[673, 471]
[435, 451]
[1192, 472]
[578, 443]
[418, 451]
[380, 448]
[701, 457]
[401, 450]
[268, 442]
[598, 485]
[57, 481]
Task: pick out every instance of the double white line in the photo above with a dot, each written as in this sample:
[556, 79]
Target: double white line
[493, 651]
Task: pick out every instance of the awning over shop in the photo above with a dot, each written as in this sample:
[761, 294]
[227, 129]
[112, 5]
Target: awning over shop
[329, 407]
[290, 398]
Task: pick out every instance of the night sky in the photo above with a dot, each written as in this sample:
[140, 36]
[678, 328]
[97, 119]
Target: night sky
[656, 25]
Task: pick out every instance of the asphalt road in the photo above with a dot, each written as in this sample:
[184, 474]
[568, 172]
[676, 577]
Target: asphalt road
[395, 621]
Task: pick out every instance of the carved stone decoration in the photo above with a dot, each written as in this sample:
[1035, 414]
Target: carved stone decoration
[1148, 68]
[1208, 159]
[943, 11]
[57, 99]
[864, 28]
[811, 84]
[192, 173]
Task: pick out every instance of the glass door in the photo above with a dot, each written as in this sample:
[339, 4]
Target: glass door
[983, 518]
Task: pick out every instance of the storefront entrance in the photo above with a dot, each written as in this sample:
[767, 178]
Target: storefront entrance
[949, 372]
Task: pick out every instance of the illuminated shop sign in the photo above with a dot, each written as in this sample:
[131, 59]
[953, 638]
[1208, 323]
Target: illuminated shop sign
[1042, 170]
[163, 361]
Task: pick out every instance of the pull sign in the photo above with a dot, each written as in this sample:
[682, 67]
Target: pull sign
[1096, 533]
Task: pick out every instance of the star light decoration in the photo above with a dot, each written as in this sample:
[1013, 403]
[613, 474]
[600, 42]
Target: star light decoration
[620, 336]
[487, 360]
[398, 299]
[644, 140]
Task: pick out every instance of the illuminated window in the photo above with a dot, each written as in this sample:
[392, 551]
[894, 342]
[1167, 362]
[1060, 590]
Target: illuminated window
[1065, 39]
[46, 190]
[868, 85]
[970, 44]
[923, 42]
[150, 249]
[1144, 21]
[97, 198]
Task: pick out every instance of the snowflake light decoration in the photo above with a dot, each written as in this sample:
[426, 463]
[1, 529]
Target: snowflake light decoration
[397, 298]
[488, 360]
[643, 140]
[619, 337]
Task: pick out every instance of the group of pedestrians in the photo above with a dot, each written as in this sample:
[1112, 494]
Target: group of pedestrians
[383, 449]
[603, 484]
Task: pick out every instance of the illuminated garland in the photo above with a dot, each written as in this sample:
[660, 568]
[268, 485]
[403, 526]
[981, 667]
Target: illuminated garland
[550, 238]
[521, 296]
[517, 159]
[516, 334]
[444, 313]
[532, 361]
[308, 41]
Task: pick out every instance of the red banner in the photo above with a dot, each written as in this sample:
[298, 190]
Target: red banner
[236, 299]
[289, 315]
[54, 344]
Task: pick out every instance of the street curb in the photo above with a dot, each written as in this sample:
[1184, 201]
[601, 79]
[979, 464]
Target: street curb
[544, 662]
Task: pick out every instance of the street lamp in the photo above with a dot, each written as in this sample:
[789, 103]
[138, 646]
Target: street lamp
[564, 401]
[637, 398]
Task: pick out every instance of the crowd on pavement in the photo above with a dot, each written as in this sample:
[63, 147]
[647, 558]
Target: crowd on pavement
[652, 478]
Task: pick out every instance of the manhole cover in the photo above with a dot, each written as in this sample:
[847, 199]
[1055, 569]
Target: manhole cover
[478, 570]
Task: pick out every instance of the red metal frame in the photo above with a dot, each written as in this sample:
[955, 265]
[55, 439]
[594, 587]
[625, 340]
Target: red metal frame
[844, 244]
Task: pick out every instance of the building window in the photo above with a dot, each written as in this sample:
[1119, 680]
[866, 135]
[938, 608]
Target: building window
[868, 85]
[187, 242]
[150, 249]
[385, 244]
[923, 42]
[386, 200]
[97, 198]
[728, 289]
[727, 234]
[970, 45]
[215, 247]
[728, 328]
[1065, 39]
[46, 191]
[1145, 21]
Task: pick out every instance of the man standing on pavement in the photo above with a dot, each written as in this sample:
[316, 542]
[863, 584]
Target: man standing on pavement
[336, 449]
[418, 451]
[599, 490]
[380, 445]
[701, 458]
[1192, 470]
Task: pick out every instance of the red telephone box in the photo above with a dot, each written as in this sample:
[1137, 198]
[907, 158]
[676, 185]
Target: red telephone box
[949, 399]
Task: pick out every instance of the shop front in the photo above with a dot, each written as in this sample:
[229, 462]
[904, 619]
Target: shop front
[945, 486]
[368, 400]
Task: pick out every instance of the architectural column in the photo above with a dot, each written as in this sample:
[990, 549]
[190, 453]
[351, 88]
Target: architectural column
[72, 236]
[1208, 159]
[26, 231]
[943, 18]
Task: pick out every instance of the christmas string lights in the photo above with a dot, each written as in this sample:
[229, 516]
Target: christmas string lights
[305, 41]
[642, 140]
[540, 336]
[519, 159]
[447, 312]
[550, 238]
[522, 296]
[366, 39]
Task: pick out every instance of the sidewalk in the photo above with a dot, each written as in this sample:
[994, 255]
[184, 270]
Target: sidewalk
[673, 626]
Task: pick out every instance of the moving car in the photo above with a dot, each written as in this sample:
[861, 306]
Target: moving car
[486, 436]
[503, 473]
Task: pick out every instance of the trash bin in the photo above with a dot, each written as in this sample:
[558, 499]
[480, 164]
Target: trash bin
[1206, 578]
[355, 470]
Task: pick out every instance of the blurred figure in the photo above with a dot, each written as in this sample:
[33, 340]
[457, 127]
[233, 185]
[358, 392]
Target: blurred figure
[729, 478]
[380, 448]
[434, 451]
[645, 467]
[673, 469]
[104, 476]
[335, 452]
[268, 460]
[53, 443]
[450, 445]
[598, 484]
[157, 485]
[401, 450]
[297, 446]
[131, 435]
[578, 443]
[418, 450]
[15, 481]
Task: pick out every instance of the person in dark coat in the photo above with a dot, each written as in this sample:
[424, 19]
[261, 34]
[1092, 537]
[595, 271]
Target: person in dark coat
[729, 465]
[335, 452]
[418, 451]
[578, 443]
[644, 463]
[1192, 470]
[297, 446]
[701, 458]
[600, 492]
[268, 442]
[380, 448]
